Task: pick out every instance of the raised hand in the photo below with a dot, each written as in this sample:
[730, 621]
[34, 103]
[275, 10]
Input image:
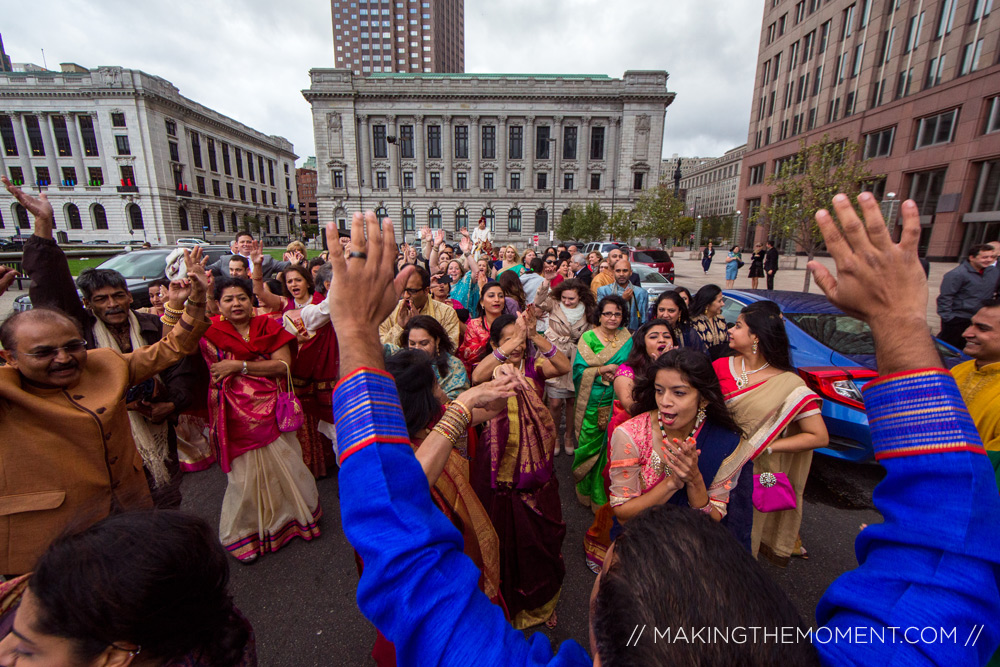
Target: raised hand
[7, 276]
[257, 253]
[483, 394]
[195, 264]
[514, 373]
[438, 237]
[530, 319]
[465, 243]
[405, 312]
[177, 292]
[425, 234]
[39, 207]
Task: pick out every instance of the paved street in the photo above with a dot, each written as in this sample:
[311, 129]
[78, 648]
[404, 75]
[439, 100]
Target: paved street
[302, 599]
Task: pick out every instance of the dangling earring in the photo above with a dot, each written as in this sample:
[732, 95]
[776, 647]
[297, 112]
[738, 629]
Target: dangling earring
[754, 349]
[222, 318]
[700, 417]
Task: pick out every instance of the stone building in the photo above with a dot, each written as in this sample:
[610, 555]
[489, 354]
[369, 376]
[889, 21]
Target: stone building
[123, 155]
[373, 36]
[711, 187]
[441, 151]
[915, 84]
[305, 185]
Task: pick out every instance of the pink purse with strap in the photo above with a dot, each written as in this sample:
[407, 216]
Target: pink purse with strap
[772, 492]
[288, 411]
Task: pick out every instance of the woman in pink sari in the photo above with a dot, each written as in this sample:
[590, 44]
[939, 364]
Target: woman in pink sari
[271, 497]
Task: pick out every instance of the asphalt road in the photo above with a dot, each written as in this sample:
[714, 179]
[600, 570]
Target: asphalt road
[301, 600]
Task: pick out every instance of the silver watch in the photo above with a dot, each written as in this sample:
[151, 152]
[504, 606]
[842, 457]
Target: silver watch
[244, 371]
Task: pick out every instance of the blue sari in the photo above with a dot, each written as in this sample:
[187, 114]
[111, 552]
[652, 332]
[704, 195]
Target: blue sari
[466, 293]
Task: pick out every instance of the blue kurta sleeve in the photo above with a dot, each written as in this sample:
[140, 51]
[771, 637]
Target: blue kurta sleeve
[926, 588]
[418, 587]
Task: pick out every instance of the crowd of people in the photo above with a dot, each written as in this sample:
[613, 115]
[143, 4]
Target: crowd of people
[497, 360]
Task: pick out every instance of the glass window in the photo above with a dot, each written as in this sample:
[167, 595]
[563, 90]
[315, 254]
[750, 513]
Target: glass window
[196, 150]
[488, 180]
[595, 181]
[379, 148]
[461, 142]
[935, 130]
[101, 221]
[34, 136]
[489, 145]
[434, 218]
[434, 141]
[541, 221]
[569, 142]
[542, 142]
[62, 136]
[879, 144]
[7, 134]
[461, 219]
[514, 220]
[409, 221]
[597, 143]
[121, 143]
[568, 181]
[89, 137]
[515, 180]
[925, 189]
[406, 141]
[515, 134]
[435, 177]
[462, 181]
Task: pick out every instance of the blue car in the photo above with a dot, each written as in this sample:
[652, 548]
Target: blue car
[835, 355]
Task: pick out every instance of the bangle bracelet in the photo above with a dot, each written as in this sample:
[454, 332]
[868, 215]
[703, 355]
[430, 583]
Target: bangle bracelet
[168, 309]
[464, 407]
[500, 356]
[707, 508]
[551, 353]
[192, 302]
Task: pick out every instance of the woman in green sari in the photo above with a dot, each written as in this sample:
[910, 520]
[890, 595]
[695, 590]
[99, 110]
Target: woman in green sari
[598, 355]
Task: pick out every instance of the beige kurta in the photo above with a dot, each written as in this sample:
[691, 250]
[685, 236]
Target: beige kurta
[67, 457]
[389, 331]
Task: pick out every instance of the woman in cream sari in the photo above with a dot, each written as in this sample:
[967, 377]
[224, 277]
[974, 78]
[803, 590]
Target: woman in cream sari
[598, 355]
[780, 415]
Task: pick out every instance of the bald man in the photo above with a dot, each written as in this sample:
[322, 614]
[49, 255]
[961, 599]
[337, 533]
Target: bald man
[636, 297]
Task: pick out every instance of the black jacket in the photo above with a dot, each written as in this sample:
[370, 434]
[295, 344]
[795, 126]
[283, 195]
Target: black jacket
[771, 260]
[585, 275]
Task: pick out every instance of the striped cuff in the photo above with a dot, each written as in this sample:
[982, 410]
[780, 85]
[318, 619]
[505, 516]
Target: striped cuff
[365, 411]
[919, 412]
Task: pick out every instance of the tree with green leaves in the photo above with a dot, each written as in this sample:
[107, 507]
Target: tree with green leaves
[621, 226]
[566, 229]
[590, 226]
[659, 214]
[807, 182]
[251, 223]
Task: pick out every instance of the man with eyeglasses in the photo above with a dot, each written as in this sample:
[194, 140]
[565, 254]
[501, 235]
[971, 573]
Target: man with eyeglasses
[637, 298]
[416, 300]
[67, 454]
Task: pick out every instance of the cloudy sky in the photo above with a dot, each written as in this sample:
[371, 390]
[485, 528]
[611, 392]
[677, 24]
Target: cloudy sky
[249, 59]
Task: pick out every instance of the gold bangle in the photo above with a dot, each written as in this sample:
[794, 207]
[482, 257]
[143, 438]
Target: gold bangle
[192, 302]
[464, 407]
[174, 311]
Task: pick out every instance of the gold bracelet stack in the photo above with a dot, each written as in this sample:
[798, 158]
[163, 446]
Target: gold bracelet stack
[454, 422]
[170, 315]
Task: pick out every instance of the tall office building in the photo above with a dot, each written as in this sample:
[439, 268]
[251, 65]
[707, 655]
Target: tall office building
[5, 64]
[914, 82]
[375, 36]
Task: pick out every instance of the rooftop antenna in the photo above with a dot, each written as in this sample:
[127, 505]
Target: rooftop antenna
[44, 64]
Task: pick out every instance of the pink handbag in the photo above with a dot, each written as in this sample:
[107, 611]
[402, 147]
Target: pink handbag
[288, 411]
[772, 492]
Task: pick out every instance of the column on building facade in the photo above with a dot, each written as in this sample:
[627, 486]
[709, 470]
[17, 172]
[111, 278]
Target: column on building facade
[555, 149]
[447, 152]
[583, 153]
[23, 149]
[420, 152]
[366, 152]
[51, 150]
[501, 152]
[77, 147]
[392, 127]
[611, 152]
[474, 152]
[528, 139]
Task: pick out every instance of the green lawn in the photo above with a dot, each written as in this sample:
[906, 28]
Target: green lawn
[278, 253]
[78, 265]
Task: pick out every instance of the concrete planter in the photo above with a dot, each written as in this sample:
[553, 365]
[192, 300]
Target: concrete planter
[696, 254]
[788, 262]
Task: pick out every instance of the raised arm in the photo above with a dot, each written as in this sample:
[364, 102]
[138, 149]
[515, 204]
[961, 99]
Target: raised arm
[934, 560]
[264, 296]
[410, 550]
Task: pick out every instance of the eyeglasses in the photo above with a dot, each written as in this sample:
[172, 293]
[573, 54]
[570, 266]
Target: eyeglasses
[409, 291]
[549, 261]
[613, 315]
[47, 353]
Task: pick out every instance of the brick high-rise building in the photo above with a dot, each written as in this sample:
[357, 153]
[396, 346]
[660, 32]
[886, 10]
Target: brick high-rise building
[914, 82]
[372, 36]
[305, 186]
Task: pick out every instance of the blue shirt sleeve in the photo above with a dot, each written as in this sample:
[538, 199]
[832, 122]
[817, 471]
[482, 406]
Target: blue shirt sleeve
[418, 587]
[926, 588]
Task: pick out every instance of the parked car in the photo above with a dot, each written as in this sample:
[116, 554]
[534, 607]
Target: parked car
[652, 257]
[13, 244]
[603, 247]
[189, 242]
[140, 268]
[652, 281]
[834, 353]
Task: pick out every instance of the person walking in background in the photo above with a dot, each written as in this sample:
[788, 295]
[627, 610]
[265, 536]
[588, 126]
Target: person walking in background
[734, 260]
[706, 257]
[756, 265]
[963, 291]
[770, 263]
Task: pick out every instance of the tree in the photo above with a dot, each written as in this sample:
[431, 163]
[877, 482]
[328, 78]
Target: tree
[807, 182]
[566, 229]
[717, 226]
[621, 226]
[659, 214]
[590, 225]
[309, 231]
[251, 223]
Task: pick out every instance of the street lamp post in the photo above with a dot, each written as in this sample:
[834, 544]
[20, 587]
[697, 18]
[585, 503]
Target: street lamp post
[392, 139]
[736, 229]
[697, 224]
[552, 147]
[888, 209]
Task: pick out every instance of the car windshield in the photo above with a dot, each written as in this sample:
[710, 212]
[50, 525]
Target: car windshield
[848, 335]
[651, 256]
[138, 265]
[648, 275]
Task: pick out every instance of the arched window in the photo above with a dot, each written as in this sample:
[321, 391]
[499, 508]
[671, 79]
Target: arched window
[100, 217]
[461, 219]
[73, 216]
[22, 217]
[409, 220]
[1, 220]
[135, 216]
[234, 221]
[182, 214]
[490, 218]
[206, 219]
[514, 220]
[541, 221]
[221, 221]
[277, 224]
[434, 218]
[381, 213]
[267, 224]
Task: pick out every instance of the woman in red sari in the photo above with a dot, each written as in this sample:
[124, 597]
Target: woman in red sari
[492, 305]
[271, 497]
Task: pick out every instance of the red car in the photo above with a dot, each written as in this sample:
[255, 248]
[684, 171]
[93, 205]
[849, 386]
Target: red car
[657, 259]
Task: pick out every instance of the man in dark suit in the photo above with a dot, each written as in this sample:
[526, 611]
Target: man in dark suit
[770, 263]
[578, 265]
[244, 242]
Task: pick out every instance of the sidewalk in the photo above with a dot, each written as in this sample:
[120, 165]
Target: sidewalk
[690, 275]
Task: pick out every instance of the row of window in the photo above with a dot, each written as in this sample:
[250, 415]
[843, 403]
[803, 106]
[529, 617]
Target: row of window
[220, 221]
[488, 142]
[36, 145]
[68, 175]
[488, 183]
[98, 217]
[227, 163]
[434, 219]
[231, 189]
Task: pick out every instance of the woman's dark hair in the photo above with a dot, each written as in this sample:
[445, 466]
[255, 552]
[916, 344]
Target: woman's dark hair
[638, 359]
[480, 310]
[512, 287]
[703, 298]
[696, 367]
[306, 275]
[676, 299]
[764, 320]
[684, 290]
[275, 286]
[733, 249]
[162, 282]
[437, 332]
[587, 297]
[225, 282]
[414, 375]
[496, 330]
[618, 301]
[157, 579]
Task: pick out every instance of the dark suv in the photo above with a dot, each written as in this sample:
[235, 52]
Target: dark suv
[657, 259]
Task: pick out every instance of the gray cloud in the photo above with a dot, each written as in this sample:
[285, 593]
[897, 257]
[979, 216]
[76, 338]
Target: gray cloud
[249, 59]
